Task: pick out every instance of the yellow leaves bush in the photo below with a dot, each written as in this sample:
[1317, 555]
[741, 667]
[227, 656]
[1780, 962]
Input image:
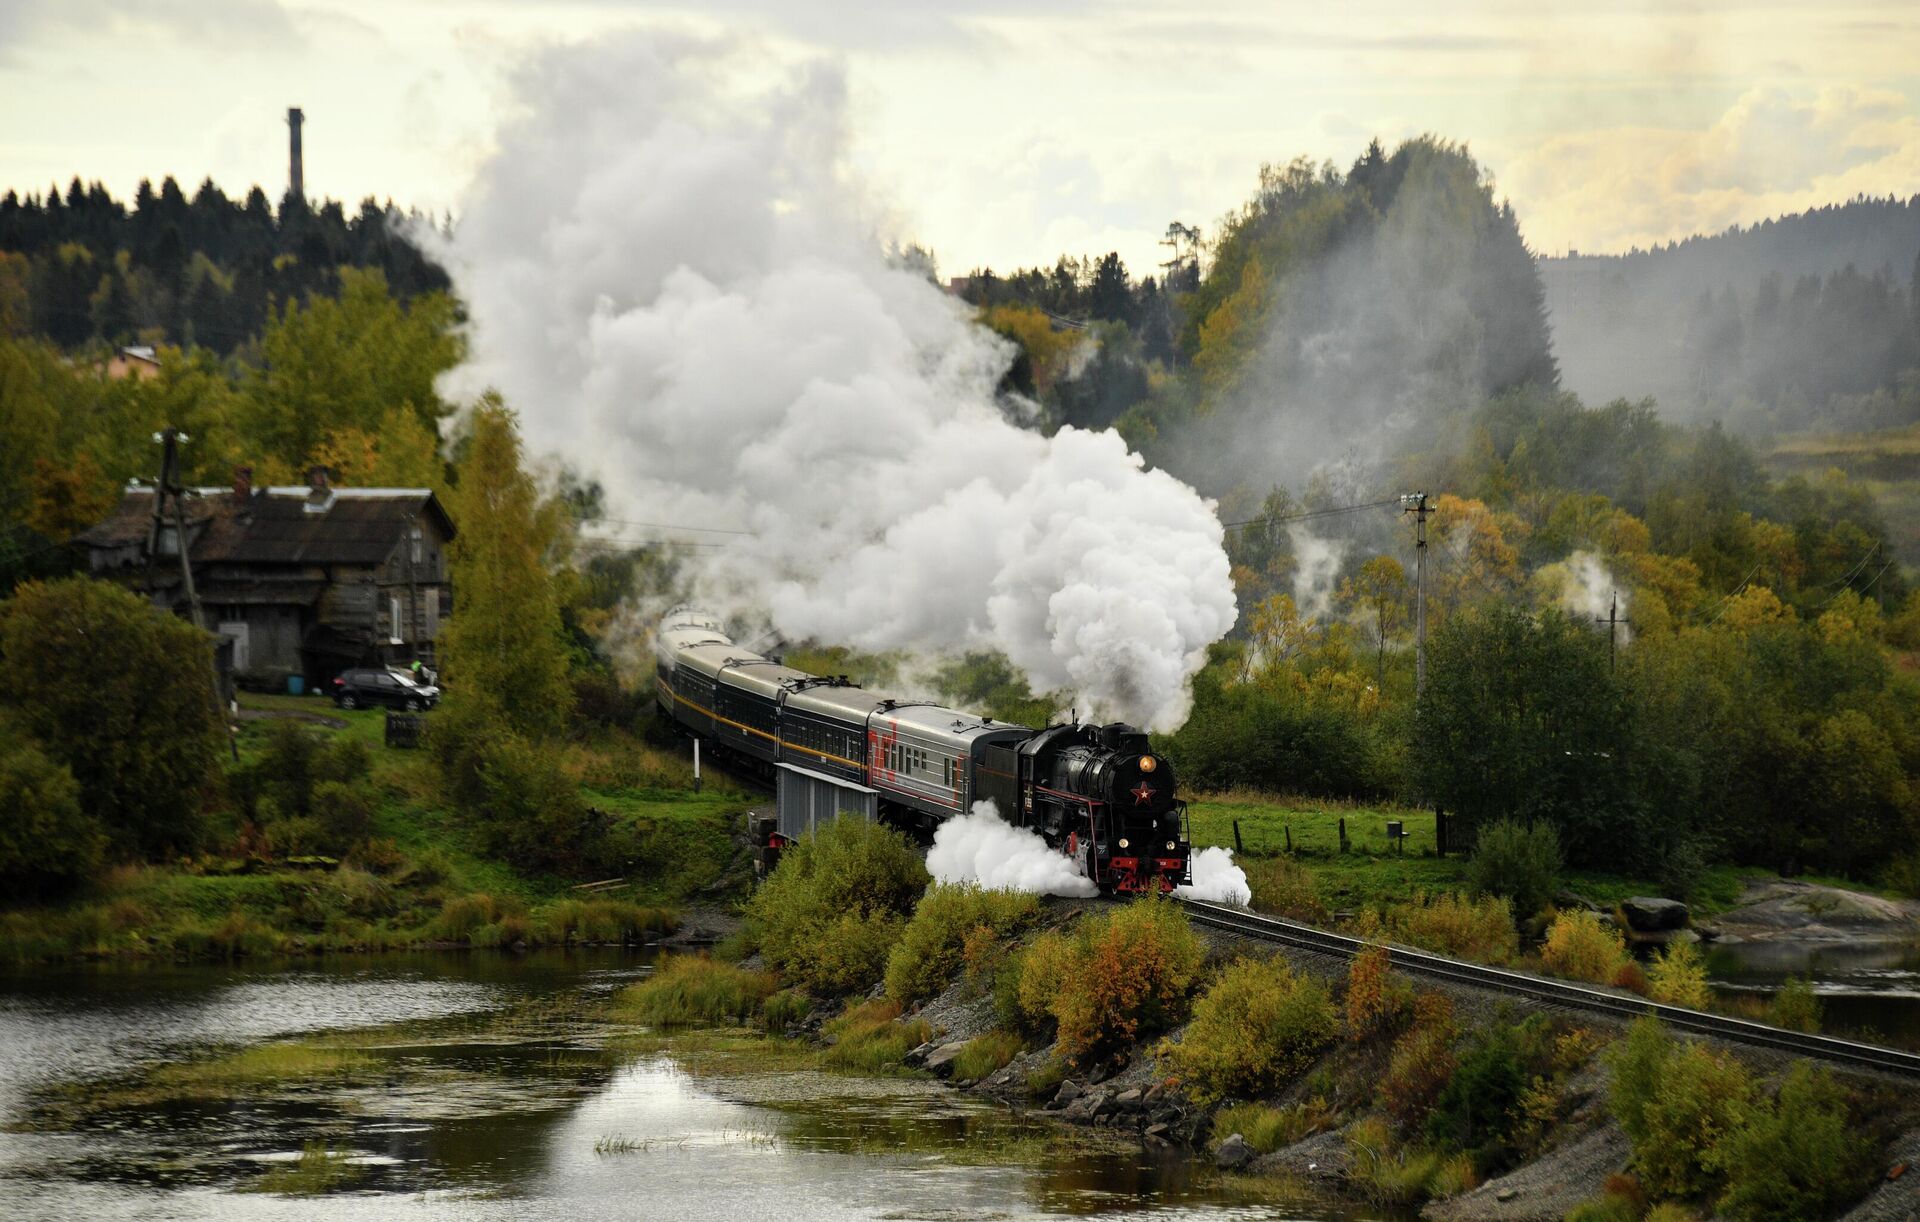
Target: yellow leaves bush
[1679, 977]
[1579, 947]
[1114, 978]
[1371, 1004]
[1478, 929]
[947, 922]
[1258, 1026]
[1284, 888]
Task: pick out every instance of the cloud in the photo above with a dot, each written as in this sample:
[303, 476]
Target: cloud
[1773, 150]
[210, 22]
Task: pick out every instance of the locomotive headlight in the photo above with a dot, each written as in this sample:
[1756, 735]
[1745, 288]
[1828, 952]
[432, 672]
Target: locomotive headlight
[1169, 846]
[1148, 763]
[1123, 842]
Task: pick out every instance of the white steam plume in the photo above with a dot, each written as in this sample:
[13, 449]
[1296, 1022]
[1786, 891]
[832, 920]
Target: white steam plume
[1316, 562]
[1581, 584]
[983, 848]
[1216, 878]
[675, 286]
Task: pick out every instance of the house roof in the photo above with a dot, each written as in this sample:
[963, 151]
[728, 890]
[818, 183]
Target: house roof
[280, 525]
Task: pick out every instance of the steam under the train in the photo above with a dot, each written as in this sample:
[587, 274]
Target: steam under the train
[1099, 794]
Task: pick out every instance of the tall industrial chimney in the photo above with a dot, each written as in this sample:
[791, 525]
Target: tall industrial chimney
[297, 181]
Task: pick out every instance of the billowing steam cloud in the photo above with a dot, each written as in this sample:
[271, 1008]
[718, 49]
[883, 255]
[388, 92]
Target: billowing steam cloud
[1216, 878]
[985, 849]
[676, 286]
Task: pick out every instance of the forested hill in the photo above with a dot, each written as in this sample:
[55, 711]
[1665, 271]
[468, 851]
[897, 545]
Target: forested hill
[1803, 322]
[85, 267]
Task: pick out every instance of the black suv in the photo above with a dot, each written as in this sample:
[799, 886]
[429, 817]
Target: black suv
[370, 686]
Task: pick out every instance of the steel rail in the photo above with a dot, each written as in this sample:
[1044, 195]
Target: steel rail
[1556, 992]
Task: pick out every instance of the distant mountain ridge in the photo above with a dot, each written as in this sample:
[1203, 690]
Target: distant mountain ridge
[1763, 326]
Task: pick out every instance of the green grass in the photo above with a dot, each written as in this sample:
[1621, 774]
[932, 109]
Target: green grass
[685, 989]
[869, 1039]
[1369, 874]
[260, 1066]
[986, 1054]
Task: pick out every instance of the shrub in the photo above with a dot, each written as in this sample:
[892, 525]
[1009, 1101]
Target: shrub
[1518, 861]
[345, 813]
[693, 989]
[1795, 1157]
[1122, 975]
[117, 690]
[1631, 977]
[1481, 930]
[783, 1009]
[461, 916]
[1606, 1208]
[1579, 947]
[1675, 1105]
[1421, 1066]
[1796, 1006]
[1272, 1128]
[868, 1039]
[1386, 1174]
[47, 843]
[1679, 977]
[1284, 888]
[1476, 1109]
[1371, 1001]
[933, 945]
[1033, 980]
[829, 916]
[1258, 1026]
[985, 1054]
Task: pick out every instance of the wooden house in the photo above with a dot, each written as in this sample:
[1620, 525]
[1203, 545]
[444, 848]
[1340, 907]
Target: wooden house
[302, 580]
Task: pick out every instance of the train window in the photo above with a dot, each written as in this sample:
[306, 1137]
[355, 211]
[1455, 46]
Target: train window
[948, 779]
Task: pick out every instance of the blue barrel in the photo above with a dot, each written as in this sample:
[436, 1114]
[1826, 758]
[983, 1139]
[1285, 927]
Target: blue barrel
[296, 685]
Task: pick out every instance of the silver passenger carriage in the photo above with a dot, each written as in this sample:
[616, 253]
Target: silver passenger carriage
[922, 757]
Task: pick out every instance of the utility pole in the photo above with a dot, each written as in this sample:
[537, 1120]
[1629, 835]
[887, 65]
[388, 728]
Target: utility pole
[1613, 622]
[1416, 504]
[170, 485]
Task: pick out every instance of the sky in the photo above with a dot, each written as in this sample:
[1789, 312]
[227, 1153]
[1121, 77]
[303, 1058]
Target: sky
[1007, 132]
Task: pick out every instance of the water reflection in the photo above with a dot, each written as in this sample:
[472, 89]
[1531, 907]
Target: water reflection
[468, 1114]
[1867, 990]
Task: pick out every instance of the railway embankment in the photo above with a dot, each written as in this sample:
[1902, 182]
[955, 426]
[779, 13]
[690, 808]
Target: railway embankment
[1351, 1067]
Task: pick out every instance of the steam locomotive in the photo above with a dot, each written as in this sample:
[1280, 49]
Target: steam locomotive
[1098, 794]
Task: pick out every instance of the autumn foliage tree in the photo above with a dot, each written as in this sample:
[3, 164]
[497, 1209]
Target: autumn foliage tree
[119, 693]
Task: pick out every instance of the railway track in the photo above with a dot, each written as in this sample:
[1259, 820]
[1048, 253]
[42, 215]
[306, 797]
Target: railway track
[1558, 992]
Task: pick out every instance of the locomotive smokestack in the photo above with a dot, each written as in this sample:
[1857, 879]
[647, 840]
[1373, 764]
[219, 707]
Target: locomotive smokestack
[296, 181]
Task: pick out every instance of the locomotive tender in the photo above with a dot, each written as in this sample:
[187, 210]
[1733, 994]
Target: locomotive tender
[1099, 794]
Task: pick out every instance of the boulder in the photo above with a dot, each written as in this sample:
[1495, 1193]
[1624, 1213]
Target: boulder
[1233, 1153]
[940, 1058]
[1651, 914]
[918, 1056]
[1127, 1101]
[1068, 1092]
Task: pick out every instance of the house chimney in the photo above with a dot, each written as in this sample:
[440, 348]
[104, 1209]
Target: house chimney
[242, 484]
[320, 498]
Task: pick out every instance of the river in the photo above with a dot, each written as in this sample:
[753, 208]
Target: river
[494, 1092]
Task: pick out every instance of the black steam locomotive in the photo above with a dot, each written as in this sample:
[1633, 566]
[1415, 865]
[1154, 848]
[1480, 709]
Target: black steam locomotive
[1099, 794]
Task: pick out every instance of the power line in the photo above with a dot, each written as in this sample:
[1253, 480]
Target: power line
[1311, 513]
